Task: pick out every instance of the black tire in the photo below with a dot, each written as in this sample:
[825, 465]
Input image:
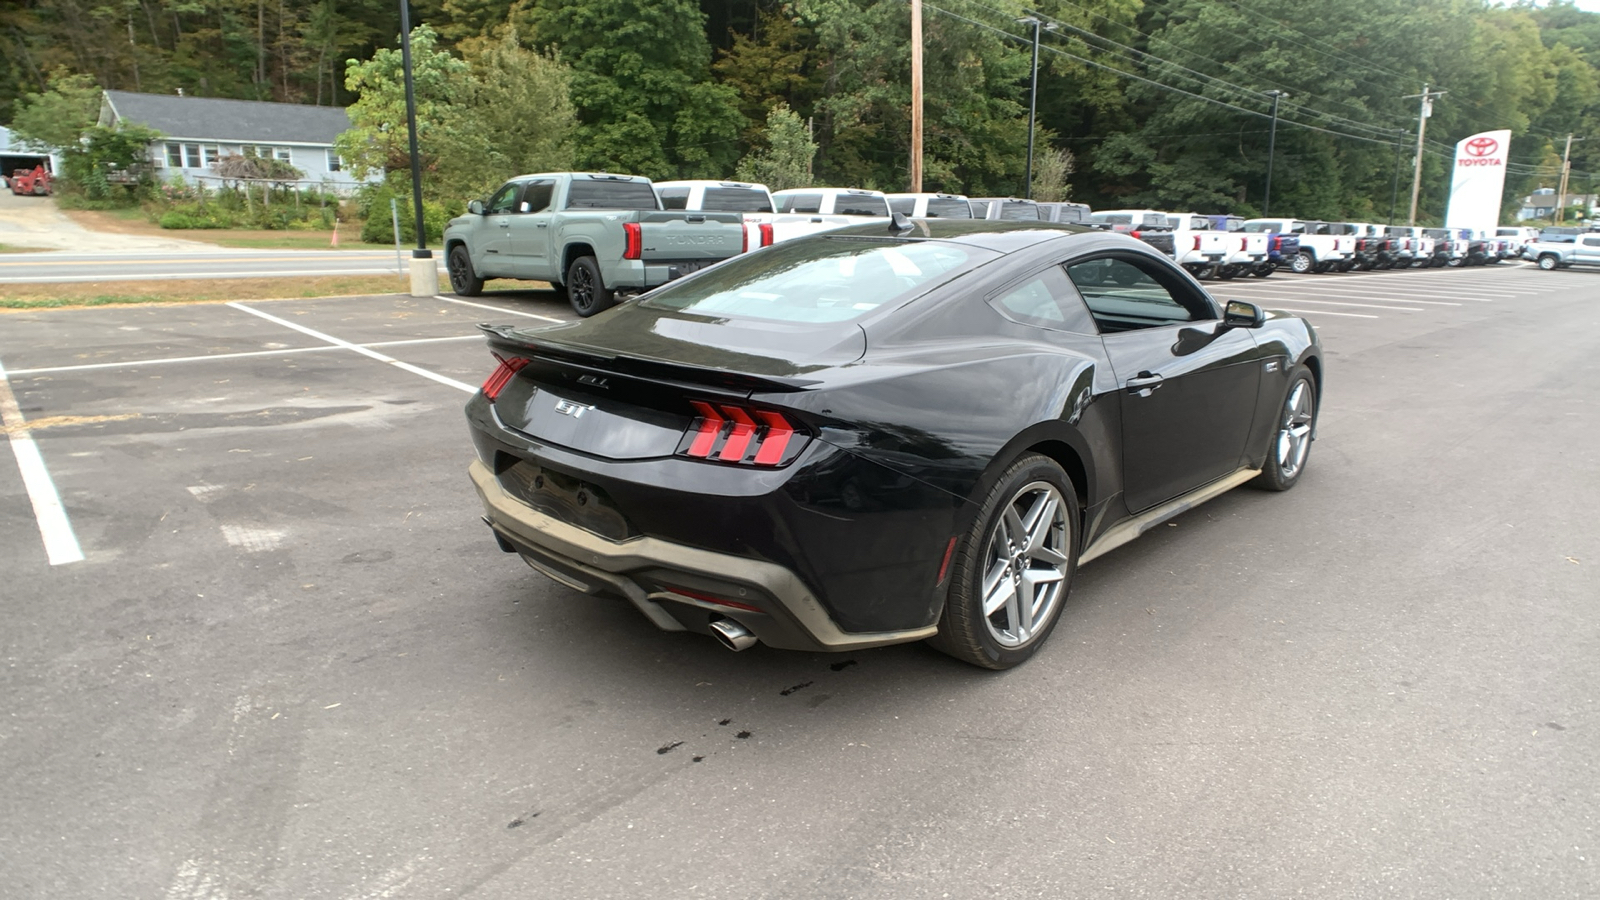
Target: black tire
[1263, 270]
[1302, 263]
[464, 279]
[586, 291]
[1549, 261]
[1290, 449]
[966, 632]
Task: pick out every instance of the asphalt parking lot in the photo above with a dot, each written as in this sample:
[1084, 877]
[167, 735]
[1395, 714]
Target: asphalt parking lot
[265, 647]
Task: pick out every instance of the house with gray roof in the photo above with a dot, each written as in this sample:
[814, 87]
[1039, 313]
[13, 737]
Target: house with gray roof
[198, 131]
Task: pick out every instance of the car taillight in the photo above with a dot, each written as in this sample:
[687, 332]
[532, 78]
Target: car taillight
[635, 240]
[766, 235]
[502, 375]
[735, 434]
[1197, 242]
[1244, 243]
[1134, 233]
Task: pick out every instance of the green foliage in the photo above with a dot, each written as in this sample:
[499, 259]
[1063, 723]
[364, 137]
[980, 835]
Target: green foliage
[110, 164]
[56, 117]
[785, 161]
[378, 227]
[378, 138]
[641, 85]
[1051, 168]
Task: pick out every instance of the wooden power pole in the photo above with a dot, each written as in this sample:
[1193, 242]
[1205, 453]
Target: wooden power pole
[916, 96]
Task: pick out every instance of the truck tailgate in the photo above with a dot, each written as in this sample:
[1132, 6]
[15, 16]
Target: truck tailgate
[672, 235]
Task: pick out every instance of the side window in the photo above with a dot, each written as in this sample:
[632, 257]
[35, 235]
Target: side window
[673, 197]
[1045, 300]
[1122, 296]
[503, 199]
[537, 195]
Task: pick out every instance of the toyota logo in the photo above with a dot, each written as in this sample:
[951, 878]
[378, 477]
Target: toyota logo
[1481, 146]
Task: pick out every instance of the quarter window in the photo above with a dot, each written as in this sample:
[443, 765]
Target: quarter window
[1045, 300]
[800, 203]
[1122, 296]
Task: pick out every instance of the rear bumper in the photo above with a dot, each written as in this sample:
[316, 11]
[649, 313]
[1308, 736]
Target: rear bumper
[767, 598]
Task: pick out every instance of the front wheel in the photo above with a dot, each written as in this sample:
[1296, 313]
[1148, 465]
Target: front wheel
[585, 289]
[1012, 572]
[1297, 426]
[464, 279]
[1548, 262]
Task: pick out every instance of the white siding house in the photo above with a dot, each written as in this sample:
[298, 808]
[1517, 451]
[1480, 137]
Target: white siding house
[200, 130]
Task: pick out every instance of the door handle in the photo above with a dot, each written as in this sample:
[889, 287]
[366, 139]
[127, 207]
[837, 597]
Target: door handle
[504, 224]
[542, 224]
[1144, 384]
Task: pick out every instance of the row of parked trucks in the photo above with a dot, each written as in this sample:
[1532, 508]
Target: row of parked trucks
[593, 235]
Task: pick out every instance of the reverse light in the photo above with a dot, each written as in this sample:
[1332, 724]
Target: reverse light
[502, 375]
[735, 434]
[634, 235]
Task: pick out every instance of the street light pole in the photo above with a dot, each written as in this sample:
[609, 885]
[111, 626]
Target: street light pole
[1033, 95]
[424, 274]
[1426, 109]
[1272, 150]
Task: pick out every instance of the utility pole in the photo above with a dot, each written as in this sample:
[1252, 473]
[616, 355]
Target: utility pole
[1426, 110]
[1566, 169]
[1394, 188]
[1272, 150]
[1033, 96]
[916, 96]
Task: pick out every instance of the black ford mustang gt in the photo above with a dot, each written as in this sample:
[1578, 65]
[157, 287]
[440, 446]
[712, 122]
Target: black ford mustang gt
[878, 435]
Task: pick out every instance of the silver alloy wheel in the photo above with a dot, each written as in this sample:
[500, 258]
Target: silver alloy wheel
[1294, 435]
[1026, 575]
[1301, 263]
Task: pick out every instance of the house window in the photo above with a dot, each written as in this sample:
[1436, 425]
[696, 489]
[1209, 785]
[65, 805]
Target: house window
[212, 154]
[175, 155]
[335, 164]
[283, 154]
[191, 156]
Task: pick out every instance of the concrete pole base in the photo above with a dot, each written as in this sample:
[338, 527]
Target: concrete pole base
[424, 277]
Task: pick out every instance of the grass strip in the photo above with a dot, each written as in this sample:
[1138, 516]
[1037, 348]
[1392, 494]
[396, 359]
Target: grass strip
[121, 293]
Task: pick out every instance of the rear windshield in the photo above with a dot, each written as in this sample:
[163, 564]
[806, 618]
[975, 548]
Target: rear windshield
[1258, 227]
[859, 205]
[726, 199]
[587, 193]
[1112, 219]
[941, 208]
[799, 203]
[1017, 211]
[827, 279]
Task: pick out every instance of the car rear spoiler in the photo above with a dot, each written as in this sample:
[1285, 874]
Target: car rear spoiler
[507, 338]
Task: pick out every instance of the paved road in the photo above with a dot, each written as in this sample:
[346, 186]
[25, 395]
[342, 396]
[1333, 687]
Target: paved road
[293, 665]
[21, 268]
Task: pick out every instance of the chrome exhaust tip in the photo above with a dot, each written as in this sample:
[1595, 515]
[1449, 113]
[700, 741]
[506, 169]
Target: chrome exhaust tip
[734, 636]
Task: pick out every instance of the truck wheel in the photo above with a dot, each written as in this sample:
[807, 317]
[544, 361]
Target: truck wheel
[1302, 262]
[1263, 270]
[585, 288]
[464, 279]
[1548, 262]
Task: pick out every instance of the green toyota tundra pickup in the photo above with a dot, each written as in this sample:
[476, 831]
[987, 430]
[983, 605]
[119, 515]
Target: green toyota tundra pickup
[589, 234]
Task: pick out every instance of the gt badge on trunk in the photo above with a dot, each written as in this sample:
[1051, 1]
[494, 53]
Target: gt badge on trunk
[568, 408]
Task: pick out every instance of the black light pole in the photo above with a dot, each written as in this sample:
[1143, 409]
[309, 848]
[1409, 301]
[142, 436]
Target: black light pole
[1272, 150]
[422, 251]
[1033, 95]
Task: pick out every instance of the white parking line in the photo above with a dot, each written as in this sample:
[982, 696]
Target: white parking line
[1362, 293]
[512, 312]
[60, 543]
[371, 354]
[191, 276]
[130, 363]
[1322, 312]
[1343, 303]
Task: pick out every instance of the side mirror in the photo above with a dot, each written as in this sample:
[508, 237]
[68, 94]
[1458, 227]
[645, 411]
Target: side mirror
[475, 207]
[1241, 314]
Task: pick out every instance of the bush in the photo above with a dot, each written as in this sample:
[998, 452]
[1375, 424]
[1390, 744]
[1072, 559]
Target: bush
[192, 215]
[379, 225]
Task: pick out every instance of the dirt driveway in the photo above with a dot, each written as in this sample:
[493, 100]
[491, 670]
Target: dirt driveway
[35, 223]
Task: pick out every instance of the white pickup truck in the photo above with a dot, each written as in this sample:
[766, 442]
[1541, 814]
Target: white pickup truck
[1248, 251]
[766, 220]
[1319, 251]
[1197, 246]
[930, 206]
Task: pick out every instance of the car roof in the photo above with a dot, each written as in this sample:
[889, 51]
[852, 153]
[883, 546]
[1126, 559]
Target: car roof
[1005, 236]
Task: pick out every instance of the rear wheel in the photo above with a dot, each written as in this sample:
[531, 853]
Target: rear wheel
[464, 279]
[1012, 572]
[1297, 424]
[1263, 270]
[1302, 262]
[585, 289]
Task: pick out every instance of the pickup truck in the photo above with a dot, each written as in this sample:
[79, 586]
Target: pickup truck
[1248, 252]
[930, 206]
[1146, 225]
[1416, 248]
[1558, 251]
[1319, 251]
[1198, 247]
[763, 224]
[1065, 213]
[1449, 249]
[1374, 249]
[590, 234]
[1006, 209]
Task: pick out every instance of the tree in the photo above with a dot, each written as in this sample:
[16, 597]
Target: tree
[519, 113]
[1050, 171]
[785, 162]
[378, 139]
[642, 85]
[57, 118]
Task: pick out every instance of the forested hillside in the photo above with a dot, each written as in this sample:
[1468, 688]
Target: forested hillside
[1157, 101]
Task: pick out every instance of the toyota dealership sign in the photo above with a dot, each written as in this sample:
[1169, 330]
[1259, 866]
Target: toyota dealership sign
[1478, 182]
